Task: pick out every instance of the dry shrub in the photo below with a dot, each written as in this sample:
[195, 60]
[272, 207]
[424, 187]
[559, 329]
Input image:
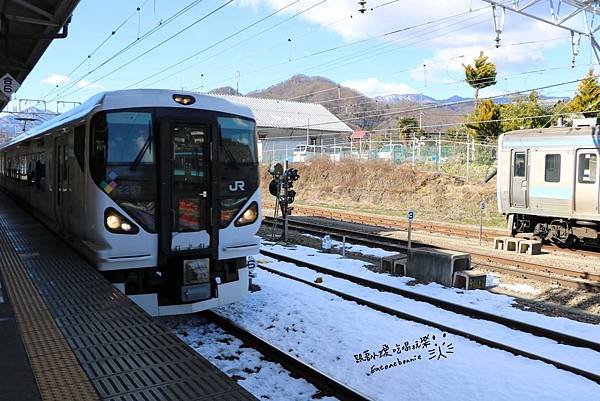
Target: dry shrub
[381, 186]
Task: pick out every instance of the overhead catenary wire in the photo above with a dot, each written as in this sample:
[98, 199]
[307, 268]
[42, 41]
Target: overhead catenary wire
[112, 33]
[435, 106]
[205, 16]
[130, 45]
[539, 70]
[361, 41]
[371, 100]
[230, 47]
[252, 37]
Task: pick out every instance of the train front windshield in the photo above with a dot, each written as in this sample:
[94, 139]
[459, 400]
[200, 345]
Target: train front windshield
[124, 164]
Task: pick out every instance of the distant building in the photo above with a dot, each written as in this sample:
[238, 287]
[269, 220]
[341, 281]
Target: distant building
[282, 125]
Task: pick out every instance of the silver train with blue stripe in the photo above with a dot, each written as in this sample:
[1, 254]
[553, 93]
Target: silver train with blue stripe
[548, 183]
[156, 189]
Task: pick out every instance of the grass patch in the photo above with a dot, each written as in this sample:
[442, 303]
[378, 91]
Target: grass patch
[386, 189]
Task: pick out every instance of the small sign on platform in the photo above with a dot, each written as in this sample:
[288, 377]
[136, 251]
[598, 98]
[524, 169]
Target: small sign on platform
[9, 85]
[410, 215]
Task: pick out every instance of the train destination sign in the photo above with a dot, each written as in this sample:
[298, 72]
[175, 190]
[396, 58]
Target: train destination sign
[9, 85]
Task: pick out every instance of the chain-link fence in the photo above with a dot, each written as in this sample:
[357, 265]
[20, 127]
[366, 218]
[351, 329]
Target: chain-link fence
[460, 158]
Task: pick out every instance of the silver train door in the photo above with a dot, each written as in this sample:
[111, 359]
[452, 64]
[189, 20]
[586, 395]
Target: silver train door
[518, 179]
[60, 178]
[586, 183]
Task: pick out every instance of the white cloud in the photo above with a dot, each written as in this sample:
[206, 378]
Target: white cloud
[88, 85]
[374, 87]
[446, 63]
[465, 35]
[56, 79]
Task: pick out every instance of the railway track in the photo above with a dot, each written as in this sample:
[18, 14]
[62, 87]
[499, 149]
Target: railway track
[440, 303]
[452, 230]
[396, 223]
[529, 270]
[445, 328]
[326, 384]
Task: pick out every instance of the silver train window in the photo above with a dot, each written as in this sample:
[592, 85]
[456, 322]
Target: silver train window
[552, 172]
[586, 172]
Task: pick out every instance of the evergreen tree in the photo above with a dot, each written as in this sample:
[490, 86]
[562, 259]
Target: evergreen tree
[524, 113]
[587, 96]
[484, 122]
[406, 127]
[481, 75]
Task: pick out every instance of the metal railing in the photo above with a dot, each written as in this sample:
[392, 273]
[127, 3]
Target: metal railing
[460, 158]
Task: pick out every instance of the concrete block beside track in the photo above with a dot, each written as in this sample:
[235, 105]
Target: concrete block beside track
[500, 243]
[512, 244]
[394, 264]
[470, 279]
[437, 265]
[530, 247]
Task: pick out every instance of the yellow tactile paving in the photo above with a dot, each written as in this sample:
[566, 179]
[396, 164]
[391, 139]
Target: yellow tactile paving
[58, 375]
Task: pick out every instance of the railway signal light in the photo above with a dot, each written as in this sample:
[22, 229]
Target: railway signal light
[276, 169]
[281, 188]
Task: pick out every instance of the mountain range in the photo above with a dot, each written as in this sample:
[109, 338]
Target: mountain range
[12, 125]
[356, 109]
[424, 99]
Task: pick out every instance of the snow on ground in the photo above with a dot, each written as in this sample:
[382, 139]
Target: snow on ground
[266, 380]
[573, 356]
[363, 250]
[477, 299]
[520, 288]
[355, 344]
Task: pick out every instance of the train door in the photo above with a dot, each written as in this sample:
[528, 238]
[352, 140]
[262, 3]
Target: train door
[519, 183]
[586, 184]
[185, 216]
[60, 179]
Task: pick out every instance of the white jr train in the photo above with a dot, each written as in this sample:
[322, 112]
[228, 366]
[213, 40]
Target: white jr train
[157, 189]
[548, 183]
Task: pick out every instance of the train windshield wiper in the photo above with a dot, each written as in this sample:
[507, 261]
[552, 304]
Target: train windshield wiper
[142, 152]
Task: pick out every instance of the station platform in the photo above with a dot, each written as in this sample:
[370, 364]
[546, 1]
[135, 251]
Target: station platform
[67, 334]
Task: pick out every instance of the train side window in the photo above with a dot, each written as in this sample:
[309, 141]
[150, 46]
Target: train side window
[552, 173]
[586, 172]
[519, 165]
[79, 146]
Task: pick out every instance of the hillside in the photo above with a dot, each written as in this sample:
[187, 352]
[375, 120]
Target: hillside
[356, 109]
[380, 113]
[346, 103]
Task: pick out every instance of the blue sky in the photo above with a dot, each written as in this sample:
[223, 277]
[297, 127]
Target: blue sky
[438, 34]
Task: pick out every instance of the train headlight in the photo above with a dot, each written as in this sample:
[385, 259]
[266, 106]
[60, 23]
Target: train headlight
[185, 100]
[116, 223]
[113, 222]
[196, 271]
[249, 216]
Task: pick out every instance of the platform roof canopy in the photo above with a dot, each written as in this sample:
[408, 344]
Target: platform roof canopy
[27, 27]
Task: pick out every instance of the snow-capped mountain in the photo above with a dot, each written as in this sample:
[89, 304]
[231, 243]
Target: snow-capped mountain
[12, 124]
[418, 98]
[409, 97]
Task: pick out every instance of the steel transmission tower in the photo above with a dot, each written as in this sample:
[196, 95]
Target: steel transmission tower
[580, 17]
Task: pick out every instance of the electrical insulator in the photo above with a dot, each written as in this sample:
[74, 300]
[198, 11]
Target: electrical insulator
[362, 4]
